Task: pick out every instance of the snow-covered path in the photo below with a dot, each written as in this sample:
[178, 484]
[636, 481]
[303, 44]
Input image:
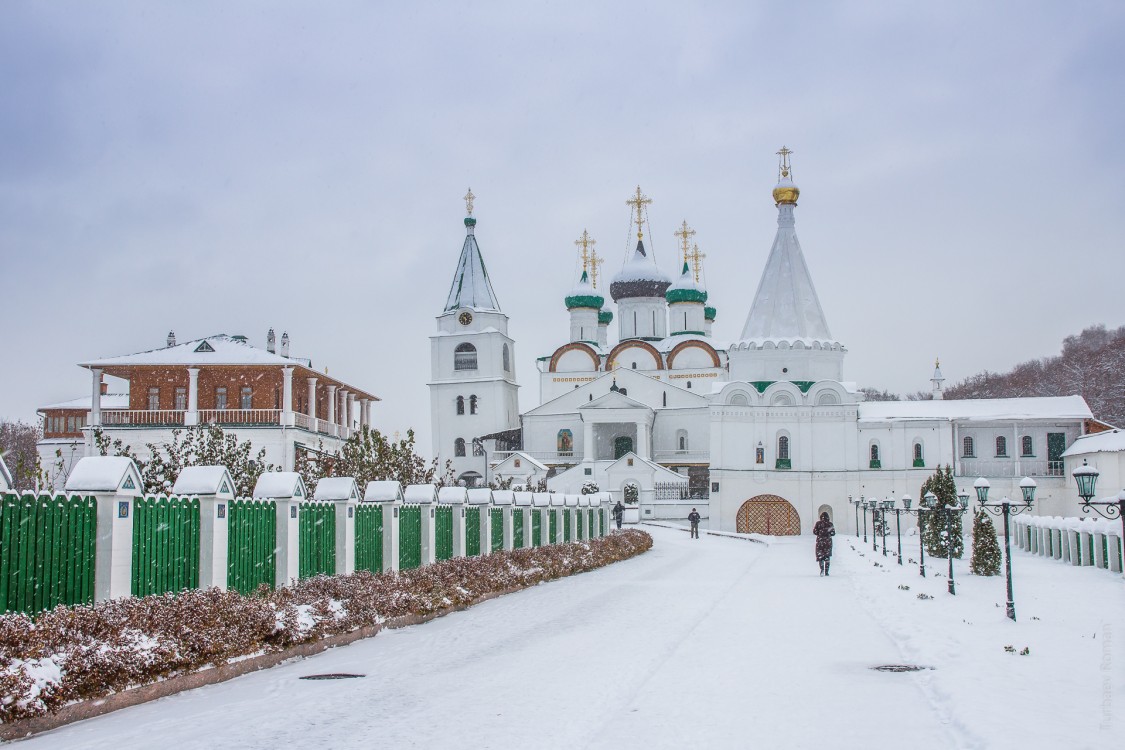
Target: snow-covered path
[716, 642]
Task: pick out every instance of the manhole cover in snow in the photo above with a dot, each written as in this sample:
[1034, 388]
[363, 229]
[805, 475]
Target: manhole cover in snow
[900, 668]
[332, 676]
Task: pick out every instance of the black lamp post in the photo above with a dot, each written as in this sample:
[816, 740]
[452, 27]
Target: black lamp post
[873, 506]
[1007, 508]
[949, 509]
[887, 505]
[898, 523]
[920, 511]
[852, 502]
[1087, 478]
[862, 503]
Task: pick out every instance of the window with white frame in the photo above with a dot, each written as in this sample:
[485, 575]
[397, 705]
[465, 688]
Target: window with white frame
[246, 397]
[220, 398]
[1027, 446]
[153, 399]
[465, 357]
[459, 447]
[181, 399]
[1001, 446]
[967, 447]
[783, 447]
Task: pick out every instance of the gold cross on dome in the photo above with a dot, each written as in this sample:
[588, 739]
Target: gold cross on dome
[784, 154]
[586, 242]
[595, 261]
[638, 203]
[469, 202]
[685, 233]
[696, 259]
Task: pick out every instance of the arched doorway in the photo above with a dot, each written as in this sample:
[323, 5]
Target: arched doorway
[768, 514]
[621, 446]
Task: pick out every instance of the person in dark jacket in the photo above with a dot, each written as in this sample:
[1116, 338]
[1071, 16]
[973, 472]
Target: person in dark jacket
[618, 513]
[693, 519]
[824, 531]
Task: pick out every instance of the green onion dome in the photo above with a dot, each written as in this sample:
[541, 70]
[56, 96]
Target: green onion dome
[686, 289]
[584, 295]
[605, 317]
[709, 313]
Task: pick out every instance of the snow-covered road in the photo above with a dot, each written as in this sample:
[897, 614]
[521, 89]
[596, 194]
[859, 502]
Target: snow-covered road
[709, 643]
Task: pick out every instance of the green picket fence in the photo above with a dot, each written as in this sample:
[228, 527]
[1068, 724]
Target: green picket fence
[579, 518]
[566, 526]
[552, 526]
[517, 528]
[590, 521]
[47, 551]
[497, 518]
[317, 540]
[472, 530]
[536, 528]
[443, 532]
[165, 545]
[605, 521]
[410, 537]
[369, 538]
[251, 541]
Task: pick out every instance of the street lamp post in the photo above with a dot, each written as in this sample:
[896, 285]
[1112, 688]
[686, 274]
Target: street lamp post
[1007, 508]
[887, 504]
[852, 502]
[923, 505]
[873, 506]
[1087, 478]
[949, 509]
[898, 524]
[863, 504]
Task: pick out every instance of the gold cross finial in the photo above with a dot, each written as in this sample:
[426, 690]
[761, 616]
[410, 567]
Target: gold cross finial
[685, 233]
[696, 259]
[937, 362]
[595, 261]
[638, 202]
[784, 154]
[585, 242]
[469, 202]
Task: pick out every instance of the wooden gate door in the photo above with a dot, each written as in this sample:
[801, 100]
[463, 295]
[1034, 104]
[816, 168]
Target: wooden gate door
[768, 514]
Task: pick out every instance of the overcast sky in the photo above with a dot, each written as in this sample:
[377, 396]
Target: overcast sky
[214, 167]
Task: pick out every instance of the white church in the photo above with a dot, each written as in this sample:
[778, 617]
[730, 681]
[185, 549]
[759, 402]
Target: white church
[761, 434]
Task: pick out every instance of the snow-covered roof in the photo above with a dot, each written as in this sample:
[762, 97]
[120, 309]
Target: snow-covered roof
[639, 277]
[524, 457]
[419, 493]
[479, 495]
[1110, 441]
[204, 480]
[786, 305]
[976, 410]
[452, 495]
[664, 474]
[471, 286]
[109, 401]
[220, 349]
[336, 489]
[105, 474]
[5, 475]
[383, 491]
[584, 295]
[280, 485]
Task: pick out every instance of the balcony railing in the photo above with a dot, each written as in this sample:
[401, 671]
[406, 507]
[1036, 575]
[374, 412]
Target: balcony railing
[676, 457]
[142, 417]
[1025, 467]
[252, 417]
[547, 457]
[240, 416]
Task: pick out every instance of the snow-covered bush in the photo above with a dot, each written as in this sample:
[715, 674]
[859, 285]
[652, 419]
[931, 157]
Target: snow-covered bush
[590, 487]
[632, 493]
[76, 653]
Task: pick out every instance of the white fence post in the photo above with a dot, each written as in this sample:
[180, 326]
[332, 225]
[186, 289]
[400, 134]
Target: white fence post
[115, 483]
[345, 536]
[1074, 547]
[429, 537]
[391, 513]
[1099, 550]
[1115, 552]
[214, 488]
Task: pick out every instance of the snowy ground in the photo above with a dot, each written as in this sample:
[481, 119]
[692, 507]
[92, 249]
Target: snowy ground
[712, 643]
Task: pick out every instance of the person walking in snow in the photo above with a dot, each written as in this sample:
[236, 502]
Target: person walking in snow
[824, 531]
[693, 519]
[618, 513]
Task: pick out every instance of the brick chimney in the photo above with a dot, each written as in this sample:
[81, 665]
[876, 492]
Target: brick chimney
[171, 338]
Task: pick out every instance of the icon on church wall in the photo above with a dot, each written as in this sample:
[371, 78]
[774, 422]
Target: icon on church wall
[760, 455]
[566, 443]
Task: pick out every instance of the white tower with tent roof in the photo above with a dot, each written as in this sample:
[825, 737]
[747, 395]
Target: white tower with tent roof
[473, 389]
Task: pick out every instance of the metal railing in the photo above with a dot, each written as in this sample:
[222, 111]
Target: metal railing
[1012, 467]
[678, 491]
[689, 457]
[553, 457]
[240, 416]
[141, 417]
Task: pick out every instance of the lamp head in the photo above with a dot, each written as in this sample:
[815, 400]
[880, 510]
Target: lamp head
[981, 486]
[929, 499]
[1027, 487]
[963, 496]
[1087, 478]
[906, 501]
[888, 504]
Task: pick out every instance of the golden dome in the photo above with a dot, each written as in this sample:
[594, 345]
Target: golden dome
[786, 193]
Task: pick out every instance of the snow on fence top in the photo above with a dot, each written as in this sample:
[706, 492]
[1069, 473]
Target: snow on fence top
[280, 485]
[1110, 441]
[503, 497]
[1088, 525]
[541, 499]
[204, 481]
[336, 489]
[557, 499]
[479, 496]
[105, 474]
[976, 409]
[452, 495]
[420, 493]
[571, 500]
[523, 498]
[383, 491]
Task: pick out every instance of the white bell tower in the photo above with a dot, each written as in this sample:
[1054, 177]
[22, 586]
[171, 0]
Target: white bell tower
[473, 389]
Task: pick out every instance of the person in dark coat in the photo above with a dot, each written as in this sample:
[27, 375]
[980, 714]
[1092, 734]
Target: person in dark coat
[618, 513]
[824, 531]
[693, 519]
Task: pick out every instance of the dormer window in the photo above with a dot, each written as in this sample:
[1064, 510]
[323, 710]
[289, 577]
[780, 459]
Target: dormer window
[204, 348]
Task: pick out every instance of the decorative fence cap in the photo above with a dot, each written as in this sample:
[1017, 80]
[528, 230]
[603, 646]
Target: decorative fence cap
[5, 475]
[557, 498]
[584, 501]
[503, 497]
[479, 496]
[541, 499]
[571, 500]
[420, 493]
[452, 495]
[204, 481]
[105, 474]
[524, 499]
[336, 489]
[281, 485]
[383, 491]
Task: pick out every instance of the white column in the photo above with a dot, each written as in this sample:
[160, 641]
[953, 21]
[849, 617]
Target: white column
[588, 453]
[351, 410]
[312, 401]
[1099, 555]
[345, 537]
[391, 536]
[364, 412]
[288, 526]
[342, 412]
[486, 529]
[286, 396]
[96, 398]
[213, 542]
[642, 440]
[331, 416]
[192, 416]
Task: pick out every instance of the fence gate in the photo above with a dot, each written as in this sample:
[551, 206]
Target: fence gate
[443, 533]
[410, 537]
[47, 551]
[472, 530]
[369, 538]
[517, 528]
[165, 545]
[497, 519]
[536, 528]
[251, 541]
[317, 540]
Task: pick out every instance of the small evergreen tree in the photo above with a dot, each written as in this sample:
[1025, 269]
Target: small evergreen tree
[986, 551]
[934, 522]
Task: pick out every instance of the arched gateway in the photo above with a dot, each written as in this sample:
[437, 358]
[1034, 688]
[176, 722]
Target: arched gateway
[768, 514]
